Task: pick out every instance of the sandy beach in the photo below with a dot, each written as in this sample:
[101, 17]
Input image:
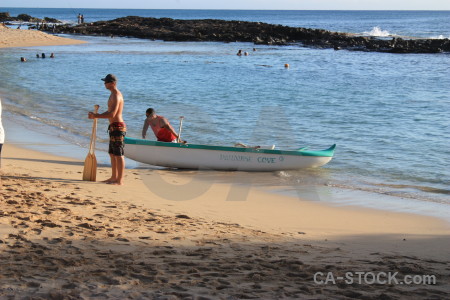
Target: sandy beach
[62, 237]
[10, 37]
[170, 235]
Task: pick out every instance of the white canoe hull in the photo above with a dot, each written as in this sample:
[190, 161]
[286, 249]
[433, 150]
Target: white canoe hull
[222, 158]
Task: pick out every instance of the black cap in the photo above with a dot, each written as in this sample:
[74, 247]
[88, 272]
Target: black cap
[110, 78]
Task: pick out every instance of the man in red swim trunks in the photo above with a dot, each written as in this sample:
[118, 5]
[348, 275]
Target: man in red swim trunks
[117, 129]
[161, 127]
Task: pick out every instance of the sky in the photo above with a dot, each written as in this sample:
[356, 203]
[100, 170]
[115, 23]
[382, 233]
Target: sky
[238, 4]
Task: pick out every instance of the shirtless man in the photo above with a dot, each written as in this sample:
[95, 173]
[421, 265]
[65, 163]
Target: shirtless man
[117, 129]
[161, 127]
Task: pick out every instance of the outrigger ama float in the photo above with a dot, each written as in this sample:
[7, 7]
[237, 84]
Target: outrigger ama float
[206, 157]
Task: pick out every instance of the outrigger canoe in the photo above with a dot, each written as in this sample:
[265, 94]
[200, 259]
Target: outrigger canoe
[206, 157]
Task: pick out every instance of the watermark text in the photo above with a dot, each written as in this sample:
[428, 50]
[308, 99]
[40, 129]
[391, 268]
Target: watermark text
[389, 278]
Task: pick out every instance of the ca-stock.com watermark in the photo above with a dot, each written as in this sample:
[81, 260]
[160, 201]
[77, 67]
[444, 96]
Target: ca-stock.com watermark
[371, 278]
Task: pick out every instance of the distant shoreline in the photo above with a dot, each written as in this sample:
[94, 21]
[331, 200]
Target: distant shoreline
[216, 30]
[224, 9]
[224, 30]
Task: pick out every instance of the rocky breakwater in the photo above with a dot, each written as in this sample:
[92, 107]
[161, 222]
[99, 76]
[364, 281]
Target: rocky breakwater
[259, 33]
[6, 18]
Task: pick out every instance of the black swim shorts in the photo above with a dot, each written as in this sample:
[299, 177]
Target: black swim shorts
[117, 132]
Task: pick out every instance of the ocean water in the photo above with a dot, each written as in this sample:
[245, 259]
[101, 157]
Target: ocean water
[389, 114]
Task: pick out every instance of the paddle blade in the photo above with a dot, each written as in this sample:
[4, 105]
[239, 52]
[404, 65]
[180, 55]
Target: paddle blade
[90, 168]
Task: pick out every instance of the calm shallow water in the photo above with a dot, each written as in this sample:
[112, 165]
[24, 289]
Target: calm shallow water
[387, 113]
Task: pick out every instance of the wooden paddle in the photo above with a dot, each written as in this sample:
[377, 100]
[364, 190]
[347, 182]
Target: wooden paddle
[90, 163]
[179, 131]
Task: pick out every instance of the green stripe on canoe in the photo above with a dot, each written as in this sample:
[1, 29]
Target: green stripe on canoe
[323, 153]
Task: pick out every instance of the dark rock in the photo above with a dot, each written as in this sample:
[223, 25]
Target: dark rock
[25, 18]
[4, 16]
[51, 20]
[168, 29]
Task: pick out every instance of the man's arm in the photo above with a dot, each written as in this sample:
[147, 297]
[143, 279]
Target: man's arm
[113, 108]
[144, 129]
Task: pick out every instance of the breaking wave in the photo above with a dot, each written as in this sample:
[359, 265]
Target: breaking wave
[440, 37]
[377, 31]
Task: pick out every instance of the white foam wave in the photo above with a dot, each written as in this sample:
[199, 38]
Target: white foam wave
[284, 174]
[440, 37]
[377, 31]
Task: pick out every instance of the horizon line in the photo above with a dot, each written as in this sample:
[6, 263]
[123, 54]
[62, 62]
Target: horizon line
[230, 9]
